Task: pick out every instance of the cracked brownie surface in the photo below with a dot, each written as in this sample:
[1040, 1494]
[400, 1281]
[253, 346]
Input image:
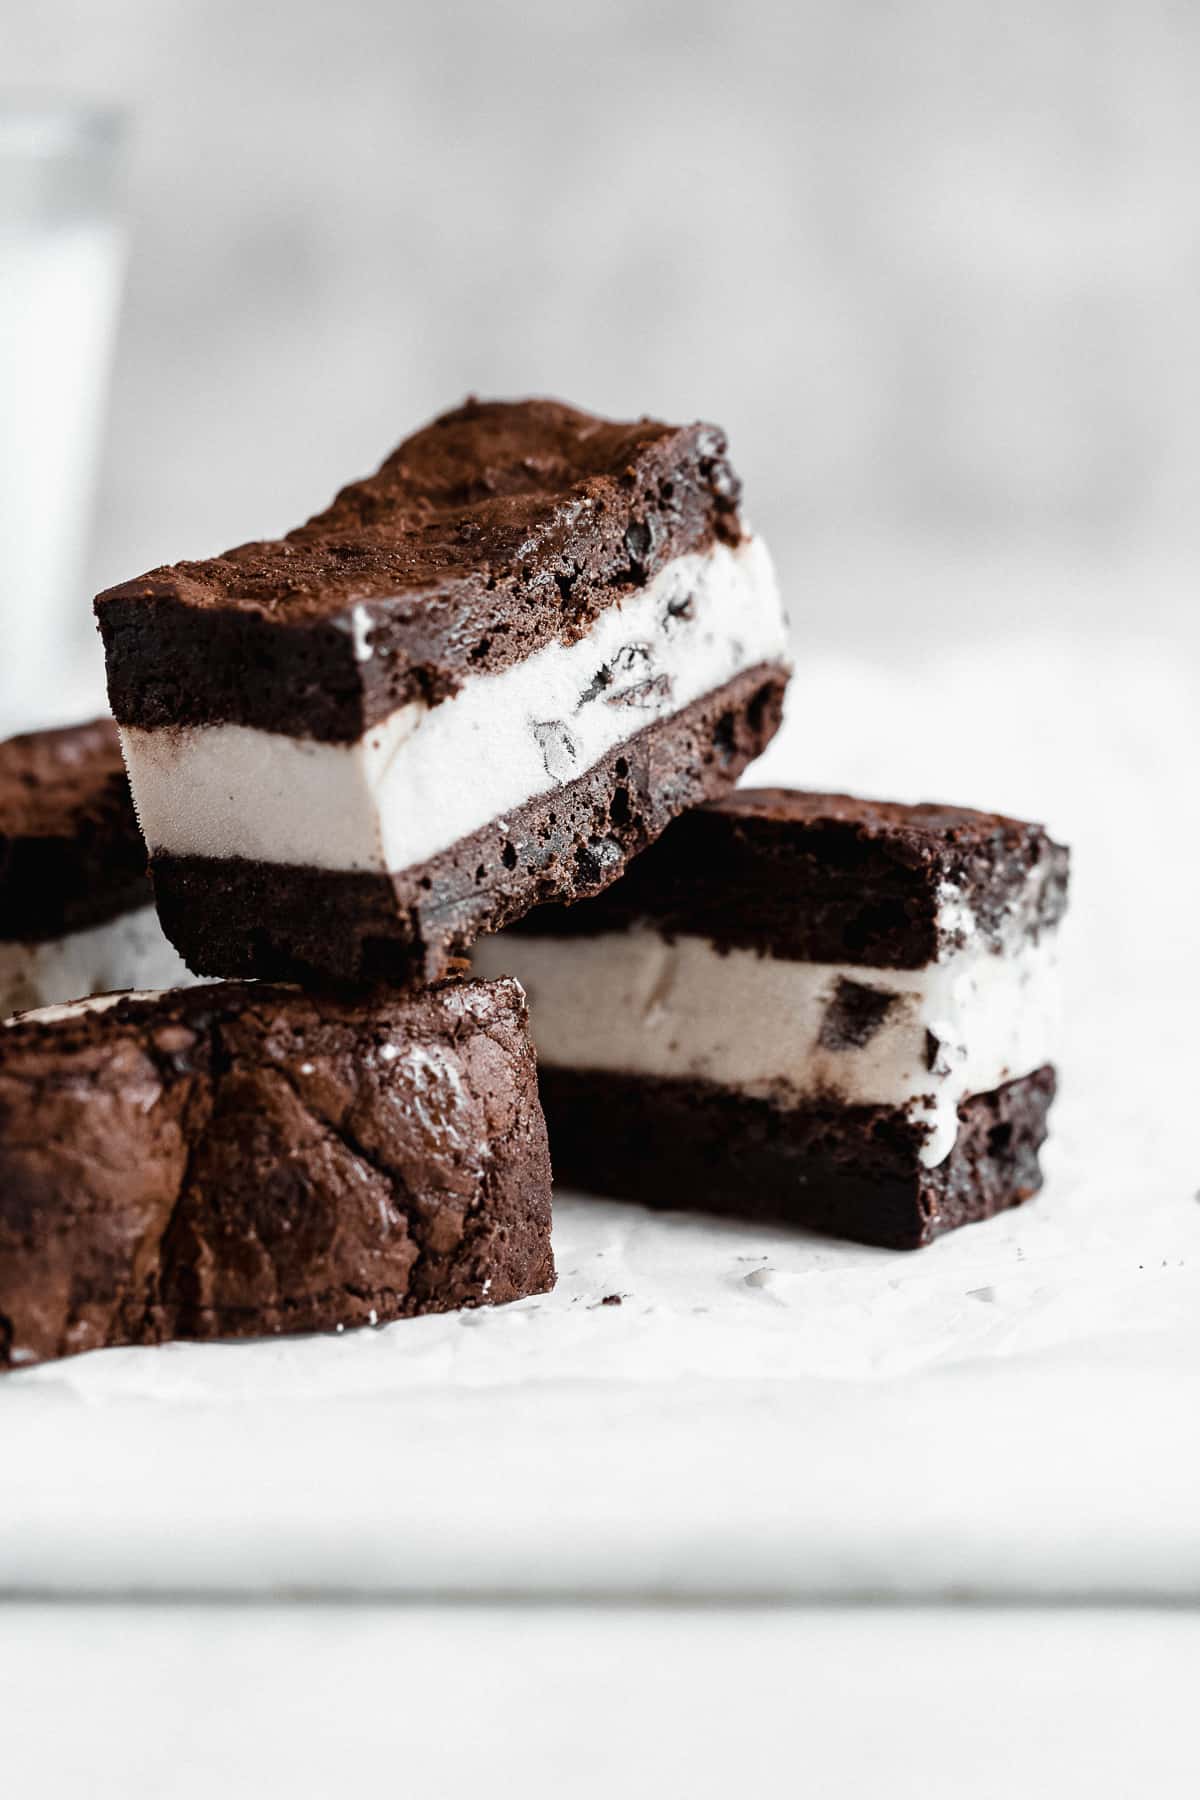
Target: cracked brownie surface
[236, 1161]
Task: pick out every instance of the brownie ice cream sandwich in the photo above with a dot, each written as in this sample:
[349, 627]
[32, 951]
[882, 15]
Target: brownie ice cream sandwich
[230, 1161]
[804, 1007]
[76, 910]
[486, 677]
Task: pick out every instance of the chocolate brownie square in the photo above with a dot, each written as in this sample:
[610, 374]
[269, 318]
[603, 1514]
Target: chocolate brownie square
[241, 1160]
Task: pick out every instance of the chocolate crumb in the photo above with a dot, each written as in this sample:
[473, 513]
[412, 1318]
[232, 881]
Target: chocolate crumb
[559, 750]
[854, 1015]
[643, 693]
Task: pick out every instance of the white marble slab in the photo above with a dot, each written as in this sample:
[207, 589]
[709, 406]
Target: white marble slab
[538, 1702]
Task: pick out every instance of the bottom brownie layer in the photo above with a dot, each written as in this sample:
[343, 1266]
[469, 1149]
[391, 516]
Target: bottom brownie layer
[233, 917]
[851, 1172]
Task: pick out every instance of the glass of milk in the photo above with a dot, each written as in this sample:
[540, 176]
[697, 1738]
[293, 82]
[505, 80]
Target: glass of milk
[61, 259]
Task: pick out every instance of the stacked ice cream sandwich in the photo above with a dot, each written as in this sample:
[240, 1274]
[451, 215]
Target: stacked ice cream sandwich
[495, 701]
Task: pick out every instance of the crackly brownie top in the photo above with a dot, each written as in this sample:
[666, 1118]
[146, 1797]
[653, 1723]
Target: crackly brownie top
[71, 854]
[337, 1050]
[831, 878]
[456, 1006]
[243, 1154]
[498, 528]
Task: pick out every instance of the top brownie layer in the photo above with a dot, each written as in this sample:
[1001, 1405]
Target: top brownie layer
[498, 528]
[71, 854]
[829, 878]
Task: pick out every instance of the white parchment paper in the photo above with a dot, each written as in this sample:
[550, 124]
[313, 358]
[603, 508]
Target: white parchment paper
[1014, 1411]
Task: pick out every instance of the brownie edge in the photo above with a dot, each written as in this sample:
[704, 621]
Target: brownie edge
[71, 853]
[234, 1161]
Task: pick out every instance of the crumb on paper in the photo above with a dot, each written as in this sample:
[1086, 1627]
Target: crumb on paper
[611, 1300]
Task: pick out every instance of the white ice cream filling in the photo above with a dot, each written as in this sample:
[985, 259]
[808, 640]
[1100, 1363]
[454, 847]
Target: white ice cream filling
[634, 1003]
[427, 776]
[129, 951]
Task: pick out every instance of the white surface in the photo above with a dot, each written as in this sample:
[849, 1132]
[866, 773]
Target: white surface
[635, 1002]
[1011, 1411]
[961, 300]
[126, 952]
[427, 776]
[309, 1703]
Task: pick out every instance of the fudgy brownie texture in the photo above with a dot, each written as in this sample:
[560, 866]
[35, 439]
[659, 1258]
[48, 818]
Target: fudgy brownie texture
[827, 878]
[228, 916]
[71, 854]
[851, 1172]
[496, 529]
[234, 1161]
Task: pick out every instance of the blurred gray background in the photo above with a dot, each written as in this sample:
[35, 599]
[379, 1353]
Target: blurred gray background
[933, 264]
